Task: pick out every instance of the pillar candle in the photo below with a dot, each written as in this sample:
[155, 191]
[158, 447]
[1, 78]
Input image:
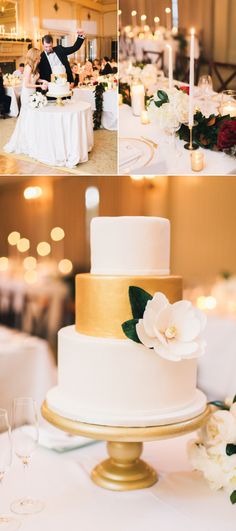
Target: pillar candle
[137, 99]
[191, 79]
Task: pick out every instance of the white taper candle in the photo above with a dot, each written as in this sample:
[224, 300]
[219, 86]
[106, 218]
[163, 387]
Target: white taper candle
[191, 79]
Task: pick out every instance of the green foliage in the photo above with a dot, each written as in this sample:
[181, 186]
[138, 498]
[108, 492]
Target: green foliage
[124, 89]
[219, 404]
[233, 497]
[129, 329]
[206, 130]
[138, 300]
[230, 449]
[97, 115]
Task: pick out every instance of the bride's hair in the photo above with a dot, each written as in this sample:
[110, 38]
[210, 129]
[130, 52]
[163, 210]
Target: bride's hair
[32, 55]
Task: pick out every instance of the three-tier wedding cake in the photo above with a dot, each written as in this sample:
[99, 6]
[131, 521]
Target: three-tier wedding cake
[58, 86]
[130, 359]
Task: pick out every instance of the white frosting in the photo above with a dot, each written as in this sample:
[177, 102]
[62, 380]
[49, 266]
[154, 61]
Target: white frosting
[119, 382]
[130, 246]
[59, 89]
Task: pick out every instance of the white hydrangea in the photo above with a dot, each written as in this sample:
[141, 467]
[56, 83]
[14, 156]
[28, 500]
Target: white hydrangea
[173, 113]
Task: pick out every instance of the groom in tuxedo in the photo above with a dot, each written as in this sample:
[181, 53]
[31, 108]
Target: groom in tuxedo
[57, 55]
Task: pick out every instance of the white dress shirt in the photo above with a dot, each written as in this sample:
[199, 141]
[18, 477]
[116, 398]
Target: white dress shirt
[54, 60]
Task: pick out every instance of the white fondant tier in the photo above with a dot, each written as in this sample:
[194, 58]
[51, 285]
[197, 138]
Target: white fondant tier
[130, 246]
[57, 89]
[121, 383]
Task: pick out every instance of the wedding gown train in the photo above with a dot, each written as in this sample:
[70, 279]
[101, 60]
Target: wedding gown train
[19, 141]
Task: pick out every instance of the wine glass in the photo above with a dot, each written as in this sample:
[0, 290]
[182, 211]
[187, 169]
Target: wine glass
[206, 86]
[6, 522]
[25, 440]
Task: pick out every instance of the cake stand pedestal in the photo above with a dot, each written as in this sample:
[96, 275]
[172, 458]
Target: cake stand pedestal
[124, 470]
[59, 100]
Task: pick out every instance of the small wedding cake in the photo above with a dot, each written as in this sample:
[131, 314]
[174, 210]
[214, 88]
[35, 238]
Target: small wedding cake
[131, 358]
[59, 86]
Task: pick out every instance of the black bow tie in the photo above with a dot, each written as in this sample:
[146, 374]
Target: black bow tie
[48, 53]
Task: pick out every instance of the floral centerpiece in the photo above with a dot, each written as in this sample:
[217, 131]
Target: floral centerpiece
[217, 133]
[214, 451]
[37, 100]
[10, 79]
[170, 107]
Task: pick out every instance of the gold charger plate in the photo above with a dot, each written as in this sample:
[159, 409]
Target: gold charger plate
[144, 158]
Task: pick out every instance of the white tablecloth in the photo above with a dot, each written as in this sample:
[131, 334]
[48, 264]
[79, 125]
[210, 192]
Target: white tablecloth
[167, 160]
[14, 93]
[57, 136]
[180, 501]
[109, 113]
[26, 367]
[217, 368]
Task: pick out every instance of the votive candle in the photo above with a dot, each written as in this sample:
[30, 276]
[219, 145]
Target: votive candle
[137, 99]
[145, 117]
[197, 160]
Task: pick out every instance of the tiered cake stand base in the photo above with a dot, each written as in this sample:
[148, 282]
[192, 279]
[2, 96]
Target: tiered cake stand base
[59, 99]
[124, 470]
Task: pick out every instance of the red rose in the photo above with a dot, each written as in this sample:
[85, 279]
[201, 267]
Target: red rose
[95, 83]
[184, 89]
[227, 135]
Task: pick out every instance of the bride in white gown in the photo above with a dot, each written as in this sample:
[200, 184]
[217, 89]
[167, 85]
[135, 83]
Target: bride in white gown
[18, 142]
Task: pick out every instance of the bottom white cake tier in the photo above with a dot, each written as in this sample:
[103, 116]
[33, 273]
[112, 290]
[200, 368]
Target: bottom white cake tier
[59, 90]
[118, 382]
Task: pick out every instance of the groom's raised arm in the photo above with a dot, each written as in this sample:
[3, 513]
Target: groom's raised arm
[76, 46]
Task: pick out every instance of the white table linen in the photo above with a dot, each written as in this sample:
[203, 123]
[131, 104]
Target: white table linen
[54, 135]
[14, 93]
[180, 501]
[26, 367]
[109, 113]
[217, 368]
[168, 159]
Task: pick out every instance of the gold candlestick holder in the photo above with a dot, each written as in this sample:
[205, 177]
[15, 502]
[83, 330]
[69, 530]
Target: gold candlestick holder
[191, 146]
[124, 470]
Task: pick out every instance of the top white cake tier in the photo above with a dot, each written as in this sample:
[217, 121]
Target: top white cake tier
[130, 246]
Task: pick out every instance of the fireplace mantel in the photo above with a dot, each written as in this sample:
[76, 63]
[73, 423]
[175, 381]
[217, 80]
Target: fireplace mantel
[13, 51]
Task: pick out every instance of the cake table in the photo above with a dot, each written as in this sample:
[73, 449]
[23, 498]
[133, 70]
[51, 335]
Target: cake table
[124, 470]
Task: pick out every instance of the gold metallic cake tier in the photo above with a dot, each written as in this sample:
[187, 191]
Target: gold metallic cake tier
[102, 302]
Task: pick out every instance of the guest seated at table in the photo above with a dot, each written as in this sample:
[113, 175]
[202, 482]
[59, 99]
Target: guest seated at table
[20, 71]
[5, 101]
[106, 67]
[96, 65]
[86, 71]
[75, 74]
[114, 67]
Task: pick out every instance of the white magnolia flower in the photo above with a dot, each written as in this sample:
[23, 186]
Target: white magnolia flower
[221, 427]
[173, 330]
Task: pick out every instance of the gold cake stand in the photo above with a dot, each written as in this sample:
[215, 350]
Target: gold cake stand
[124, 470]
[59, 100]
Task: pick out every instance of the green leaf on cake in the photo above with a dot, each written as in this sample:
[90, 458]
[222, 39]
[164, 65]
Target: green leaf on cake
[233, 497]
[230, 449]
[138, 299]
[219, 404]
[129, 329]
[234, 400]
